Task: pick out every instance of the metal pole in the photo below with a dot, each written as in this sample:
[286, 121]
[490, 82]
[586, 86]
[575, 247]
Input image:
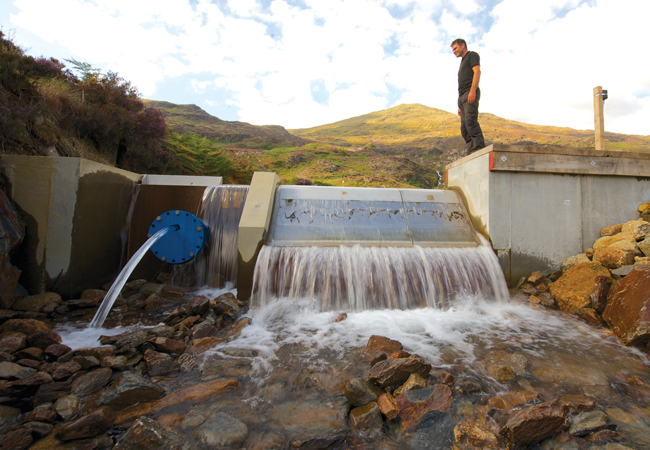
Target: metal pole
[599, 118]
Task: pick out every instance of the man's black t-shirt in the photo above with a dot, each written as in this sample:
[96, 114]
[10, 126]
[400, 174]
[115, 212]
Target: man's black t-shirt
[465, 72]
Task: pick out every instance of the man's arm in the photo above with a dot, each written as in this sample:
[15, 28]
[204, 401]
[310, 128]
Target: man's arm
[475, 79]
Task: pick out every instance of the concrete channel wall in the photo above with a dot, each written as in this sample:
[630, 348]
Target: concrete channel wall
[74, 209]
[542, 204]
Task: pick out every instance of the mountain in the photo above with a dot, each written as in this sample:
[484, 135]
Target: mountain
[190, 119]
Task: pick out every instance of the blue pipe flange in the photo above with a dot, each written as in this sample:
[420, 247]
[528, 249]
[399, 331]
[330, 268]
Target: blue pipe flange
[183, 241]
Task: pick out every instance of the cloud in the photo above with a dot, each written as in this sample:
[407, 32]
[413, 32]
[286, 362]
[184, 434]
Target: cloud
[309, 62]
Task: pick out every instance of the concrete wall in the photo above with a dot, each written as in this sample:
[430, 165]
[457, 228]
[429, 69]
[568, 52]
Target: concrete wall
[541, 204]
[254, 228]
[74, 211]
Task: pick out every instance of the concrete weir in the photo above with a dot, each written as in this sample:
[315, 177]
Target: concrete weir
[542, 204]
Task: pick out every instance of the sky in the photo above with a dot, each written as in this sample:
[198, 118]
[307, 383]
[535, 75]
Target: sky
[303, 63]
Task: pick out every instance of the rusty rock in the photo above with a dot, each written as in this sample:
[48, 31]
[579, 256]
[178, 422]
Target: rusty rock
[366, 419]
[90, 425]
[573, 289]
[360, 392]
[397, 371]
[628, 308]
[416, 404]
[388, 406]
[534, 423]
[613, 258]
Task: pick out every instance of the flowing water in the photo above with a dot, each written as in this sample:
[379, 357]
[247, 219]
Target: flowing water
[122, 278]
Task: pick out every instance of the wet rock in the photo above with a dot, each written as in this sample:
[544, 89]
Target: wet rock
[578, 403]
[239, 326]
[477, 433]
[639, 228]
[416, 404]
[152, 302]
[379, 344]
[534, 423]
[172, 293]
[366, 420]
[512, 399]
[55, 351]
[25, 326]
[147, 434]
[590, 316]
[50, 392]
[30, 353]
[115, 362]
[199, 305]
[197, 391]
[135, 285]
[91, 382]
[96, 352]
[340, 318]
[441, 376]
[506, 366]
[203, 344]
[628, 308]
[397, 371]
[186, 324]
[528, 289]
[599, 293]
[8, 416]
[467, 387]
[203, 329]
[573, 289]
[225, 367]
[611, 230]
[604, 436]
[573, 261]
[377, 359]
[45, 303]
[313, 424]
[17, 439]
[168, 345]
[27, 385]
[399, 354]
[67, 406]
[265, 441]
[561, 441]
[86, 362]
[94, 293]
[613, 258]
[66, 370]
[151, 288]
[12, 341]
[536, 278]
[46, 416]
[160, 364]
[239, 352]
[43, 339]
[90, 425]
[589, 422]
[414, 381]
[221, 430]
[388, 406]
[360, 392]
[129, 389]
[13, 371]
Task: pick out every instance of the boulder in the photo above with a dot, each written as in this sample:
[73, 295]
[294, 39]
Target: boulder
[628, 308]
[573, 289]
[414, 381]
[366, 420]
[45, 302]
[65, 370]
[168, 345]
[574, 260]
[416, 404]
[606, 241]
[13, 371]
[611, 230]
[26, 326]
[613, 258]
[221, 430]
[67, 406]
[397, 371]
[50, 392]
[379, 344]
[360, 392]
[91, 382]
[12, 341]
[90, 425]
[128, 389]
[388, 406]
[55, 351]
[148, 434]
[115, 362]
[43, 339]
[534, 423]
[639, 228]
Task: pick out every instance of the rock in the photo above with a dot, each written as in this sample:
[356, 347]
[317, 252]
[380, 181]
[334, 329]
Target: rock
[91, 382]
[55, 351]
[90, 425]
[607, 241]
[221, 430]
[644, 246]
[379, 344]
[265, 441]
[573, 289]
[604, 436]
[536, 278]
[578, 403]
[12, 231]
[203, 329]
[226, 305]
[67, 406]
[589, 315]
[528, 289]
[25, 326]
[467, 387]
[45, 303]
[197, 391]
[599, 293]
[86, 362]
[641, 260]
[611, 230]
[17, 439]
[12, 341]
[30, 353]
[151, 288]
[115, 362]
[388, 406]
[96, 352]
[506, 366]
[574, 260]
[590, 253]
[199, 305]
[94, 293]
[226, 367]
[160, 364]
[626, 247]
[172, 293]
[477, 433]
[589, 422]
[27, 385]
[366, 420]
[639, 228]
[613, 258]
[45, 416]
[512, 399]
[414, 381]
[8, 416]
[547, 300]
[50, 392]
[66, 370]
[239, 352]
[43, 339]
[239, 326]
[168, 345]
[644, 210]
[534, 423]
[147, 434]
[152, 302]
[129, 389]
[313, 423]
[628, 308]
[397, 371]
[31, 363]
[416, 404]
[340, 318]
[203, 344]
[13, 371]
[360, 392]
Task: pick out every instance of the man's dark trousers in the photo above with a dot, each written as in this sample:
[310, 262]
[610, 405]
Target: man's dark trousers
[469, 127]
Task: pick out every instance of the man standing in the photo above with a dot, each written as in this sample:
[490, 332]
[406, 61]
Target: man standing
[469, 74]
